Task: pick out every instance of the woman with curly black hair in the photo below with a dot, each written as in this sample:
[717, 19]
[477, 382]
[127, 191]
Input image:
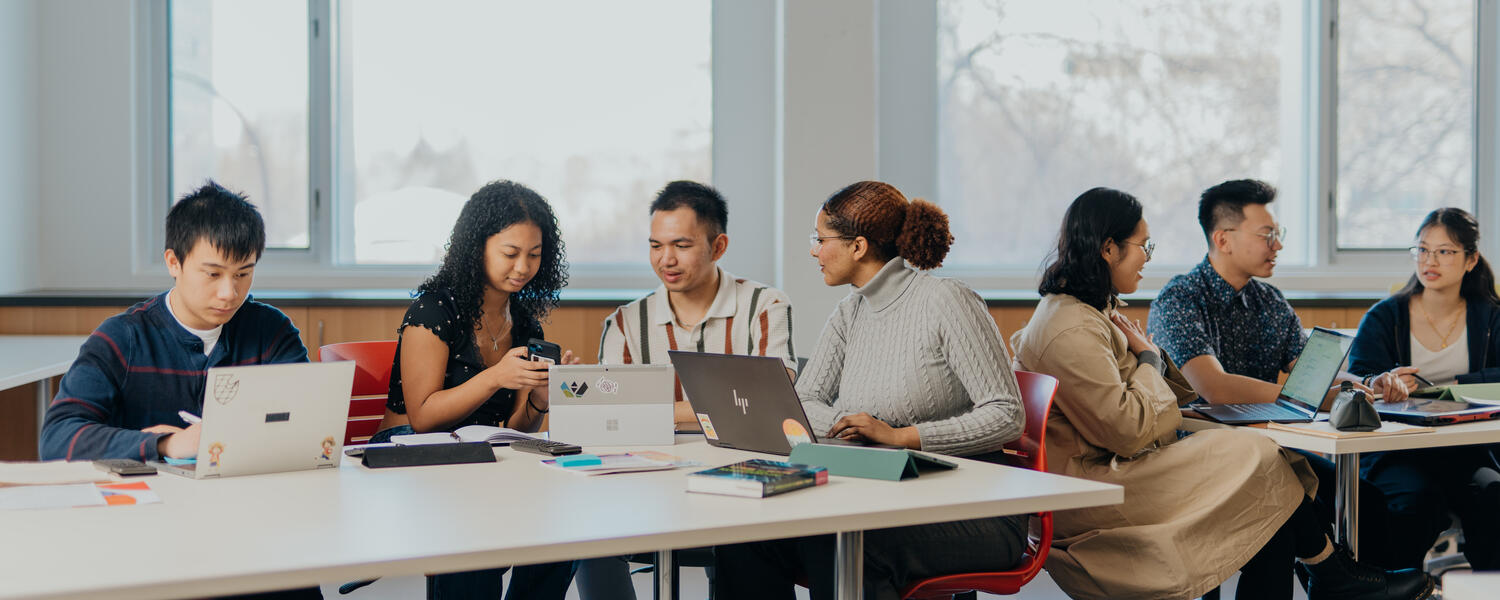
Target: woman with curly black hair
[461, 355]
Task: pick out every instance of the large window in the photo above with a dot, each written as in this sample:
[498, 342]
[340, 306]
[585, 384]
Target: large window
[1038, 101]
[360, 131]
[1042, 100]
[556, 95]
[239, 106]
[1405, 116]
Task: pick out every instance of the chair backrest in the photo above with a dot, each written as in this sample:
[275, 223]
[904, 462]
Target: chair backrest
[1037, 391]
[1030, 451]
[372, 380]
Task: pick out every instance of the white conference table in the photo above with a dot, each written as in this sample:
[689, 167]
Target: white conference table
[1346, 453]
[256, 533]
[1470, 586]
[36, 359]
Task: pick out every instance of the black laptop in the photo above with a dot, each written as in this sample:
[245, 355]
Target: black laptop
[1303, 391]
[1437, 411]
[746, 402]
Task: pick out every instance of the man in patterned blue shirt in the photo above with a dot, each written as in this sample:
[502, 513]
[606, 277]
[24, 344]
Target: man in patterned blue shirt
[1233, 335]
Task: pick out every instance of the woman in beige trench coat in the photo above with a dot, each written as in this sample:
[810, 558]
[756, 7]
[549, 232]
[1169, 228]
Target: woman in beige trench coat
[1196, 509]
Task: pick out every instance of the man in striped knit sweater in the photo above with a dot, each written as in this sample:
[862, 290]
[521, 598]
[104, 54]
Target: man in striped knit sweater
[698, 307]
[139, 368]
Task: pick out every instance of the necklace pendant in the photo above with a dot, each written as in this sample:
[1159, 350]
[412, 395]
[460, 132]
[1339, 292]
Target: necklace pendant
[494, 344]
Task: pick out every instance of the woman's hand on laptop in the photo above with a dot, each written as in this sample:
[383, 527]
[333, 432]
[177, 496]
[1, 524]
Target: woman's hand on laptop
[179, 442]
[568, 358]
[863, 427]
[1408, 376]
[1391, 386]
[517, 371]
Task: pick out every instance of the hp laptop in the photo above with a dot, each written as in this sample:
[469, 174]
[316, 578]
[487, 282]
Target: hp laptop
[611, 405]
[270, 419]
[746, 402]
[1303, 391]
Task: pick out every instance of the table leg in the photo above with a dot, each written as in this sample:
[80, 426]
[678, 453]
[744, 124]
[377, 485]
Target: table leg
[43, 399]
[849, 565]
[1346, 501]
[666, 576]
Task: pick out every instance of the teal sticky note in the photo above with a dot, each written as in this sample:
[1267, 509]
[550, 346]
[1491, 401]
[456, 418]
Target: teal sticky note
[578, 460]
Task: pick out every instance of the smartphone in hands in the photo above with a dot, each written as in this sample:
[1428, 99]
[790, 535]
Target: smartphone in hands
[544, 351]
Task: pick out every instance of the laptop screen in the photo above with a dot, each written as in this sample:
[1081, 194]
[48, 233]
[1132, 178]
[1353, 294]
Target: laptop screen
[1316, 367]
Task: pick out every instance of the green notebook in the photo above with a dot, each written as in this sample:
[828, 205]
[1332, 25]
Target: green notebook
[864, 461]
[1477, 391]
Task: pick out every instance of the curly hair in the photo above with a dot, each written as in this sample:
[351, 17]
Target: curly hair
[1077, 268]
[916, 230]
[496, 206]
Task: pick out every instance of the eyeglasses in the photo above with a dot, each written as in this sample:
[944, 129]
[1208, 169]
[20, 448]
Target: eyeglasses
[817, 241]
[1271, 237]
[1149, 247]
[1445, 256]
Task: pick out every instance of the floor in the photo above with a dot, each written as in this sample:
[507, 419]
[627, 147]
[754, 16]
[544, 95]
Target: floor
[694, 585]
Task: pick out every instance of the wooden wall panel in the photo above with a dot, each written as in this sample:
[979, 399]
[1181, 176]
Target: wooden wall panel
[15, 320]
[573, 328]
[350, 324]
[576, 328]
[53, 320]
[18, 434]
[298, 315]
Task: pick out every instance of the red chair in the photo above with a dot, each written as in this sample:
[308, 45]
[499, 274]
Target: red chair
[1030, 451]
[372, 380]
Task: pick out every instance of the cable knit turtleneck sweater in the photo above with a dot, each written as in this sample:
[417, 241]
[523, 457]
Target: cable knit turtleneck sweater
[912, 349]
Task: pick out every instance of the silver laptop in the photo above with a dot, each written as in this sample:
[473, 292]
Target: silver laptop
[611, 405]
[270, 419]
[1303, 391]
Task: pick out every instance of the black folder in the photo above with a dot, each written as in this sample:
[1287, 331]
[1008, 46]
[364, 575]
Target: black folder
[429, 454]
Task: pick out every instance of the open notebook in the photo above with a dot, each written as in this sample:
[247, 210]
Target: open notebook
[496, 436]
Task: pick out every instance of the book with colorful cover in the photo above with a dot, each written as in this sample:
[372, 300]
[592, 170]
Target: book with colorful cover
[756, 478]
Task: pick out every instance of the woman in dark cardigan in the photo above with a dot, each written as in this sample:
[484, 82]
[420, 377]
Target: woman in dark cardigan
[1445, 326]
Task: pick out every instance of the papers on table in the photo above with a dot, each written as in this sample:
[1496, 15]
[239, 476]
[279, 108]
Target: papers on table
[624, 462]
[28, 497]
[1325, 429]
[52, 472]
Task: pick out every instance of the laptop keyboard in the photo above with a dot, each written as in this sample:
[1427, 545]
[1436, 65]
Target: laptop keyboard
[1258, 411]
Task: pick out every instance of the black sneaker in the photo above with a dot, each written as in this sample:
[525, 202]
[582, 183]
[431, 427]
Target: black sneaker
[1339, 577]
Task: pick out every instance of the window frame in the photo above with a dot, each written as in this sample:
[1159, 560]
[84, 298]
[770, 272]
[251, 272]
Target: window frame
[743, 44]
[1329, 268]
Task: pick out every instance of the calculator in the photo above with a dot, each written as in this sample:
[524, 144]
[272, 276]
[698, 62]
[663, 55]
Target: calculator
[124, 466]
[547, 447]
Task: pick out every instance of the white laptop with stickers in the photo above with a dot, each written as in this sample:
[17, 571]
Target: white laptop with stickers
[270, 419]
[611, 405]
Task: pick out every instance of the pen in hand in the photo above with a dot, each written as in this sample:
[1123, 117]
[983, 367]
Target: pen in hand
[1422, 380]
[191, 418]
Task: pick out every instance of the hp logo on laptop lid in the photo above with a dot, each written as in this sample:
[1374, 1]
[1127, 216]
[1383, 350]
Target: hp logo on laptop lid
[743, 403]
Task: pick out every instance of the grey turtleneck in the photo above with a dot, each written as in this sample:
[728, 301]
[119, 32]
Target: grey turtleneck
[912, 349]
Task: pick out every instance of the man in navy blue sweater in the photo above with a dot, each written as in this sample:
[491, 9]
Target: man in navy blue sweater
[121, 396]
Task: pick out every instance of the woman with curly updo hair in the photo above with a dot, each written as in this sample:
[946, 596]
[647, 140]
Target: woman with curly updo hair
[909, 360]
[461, 355]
